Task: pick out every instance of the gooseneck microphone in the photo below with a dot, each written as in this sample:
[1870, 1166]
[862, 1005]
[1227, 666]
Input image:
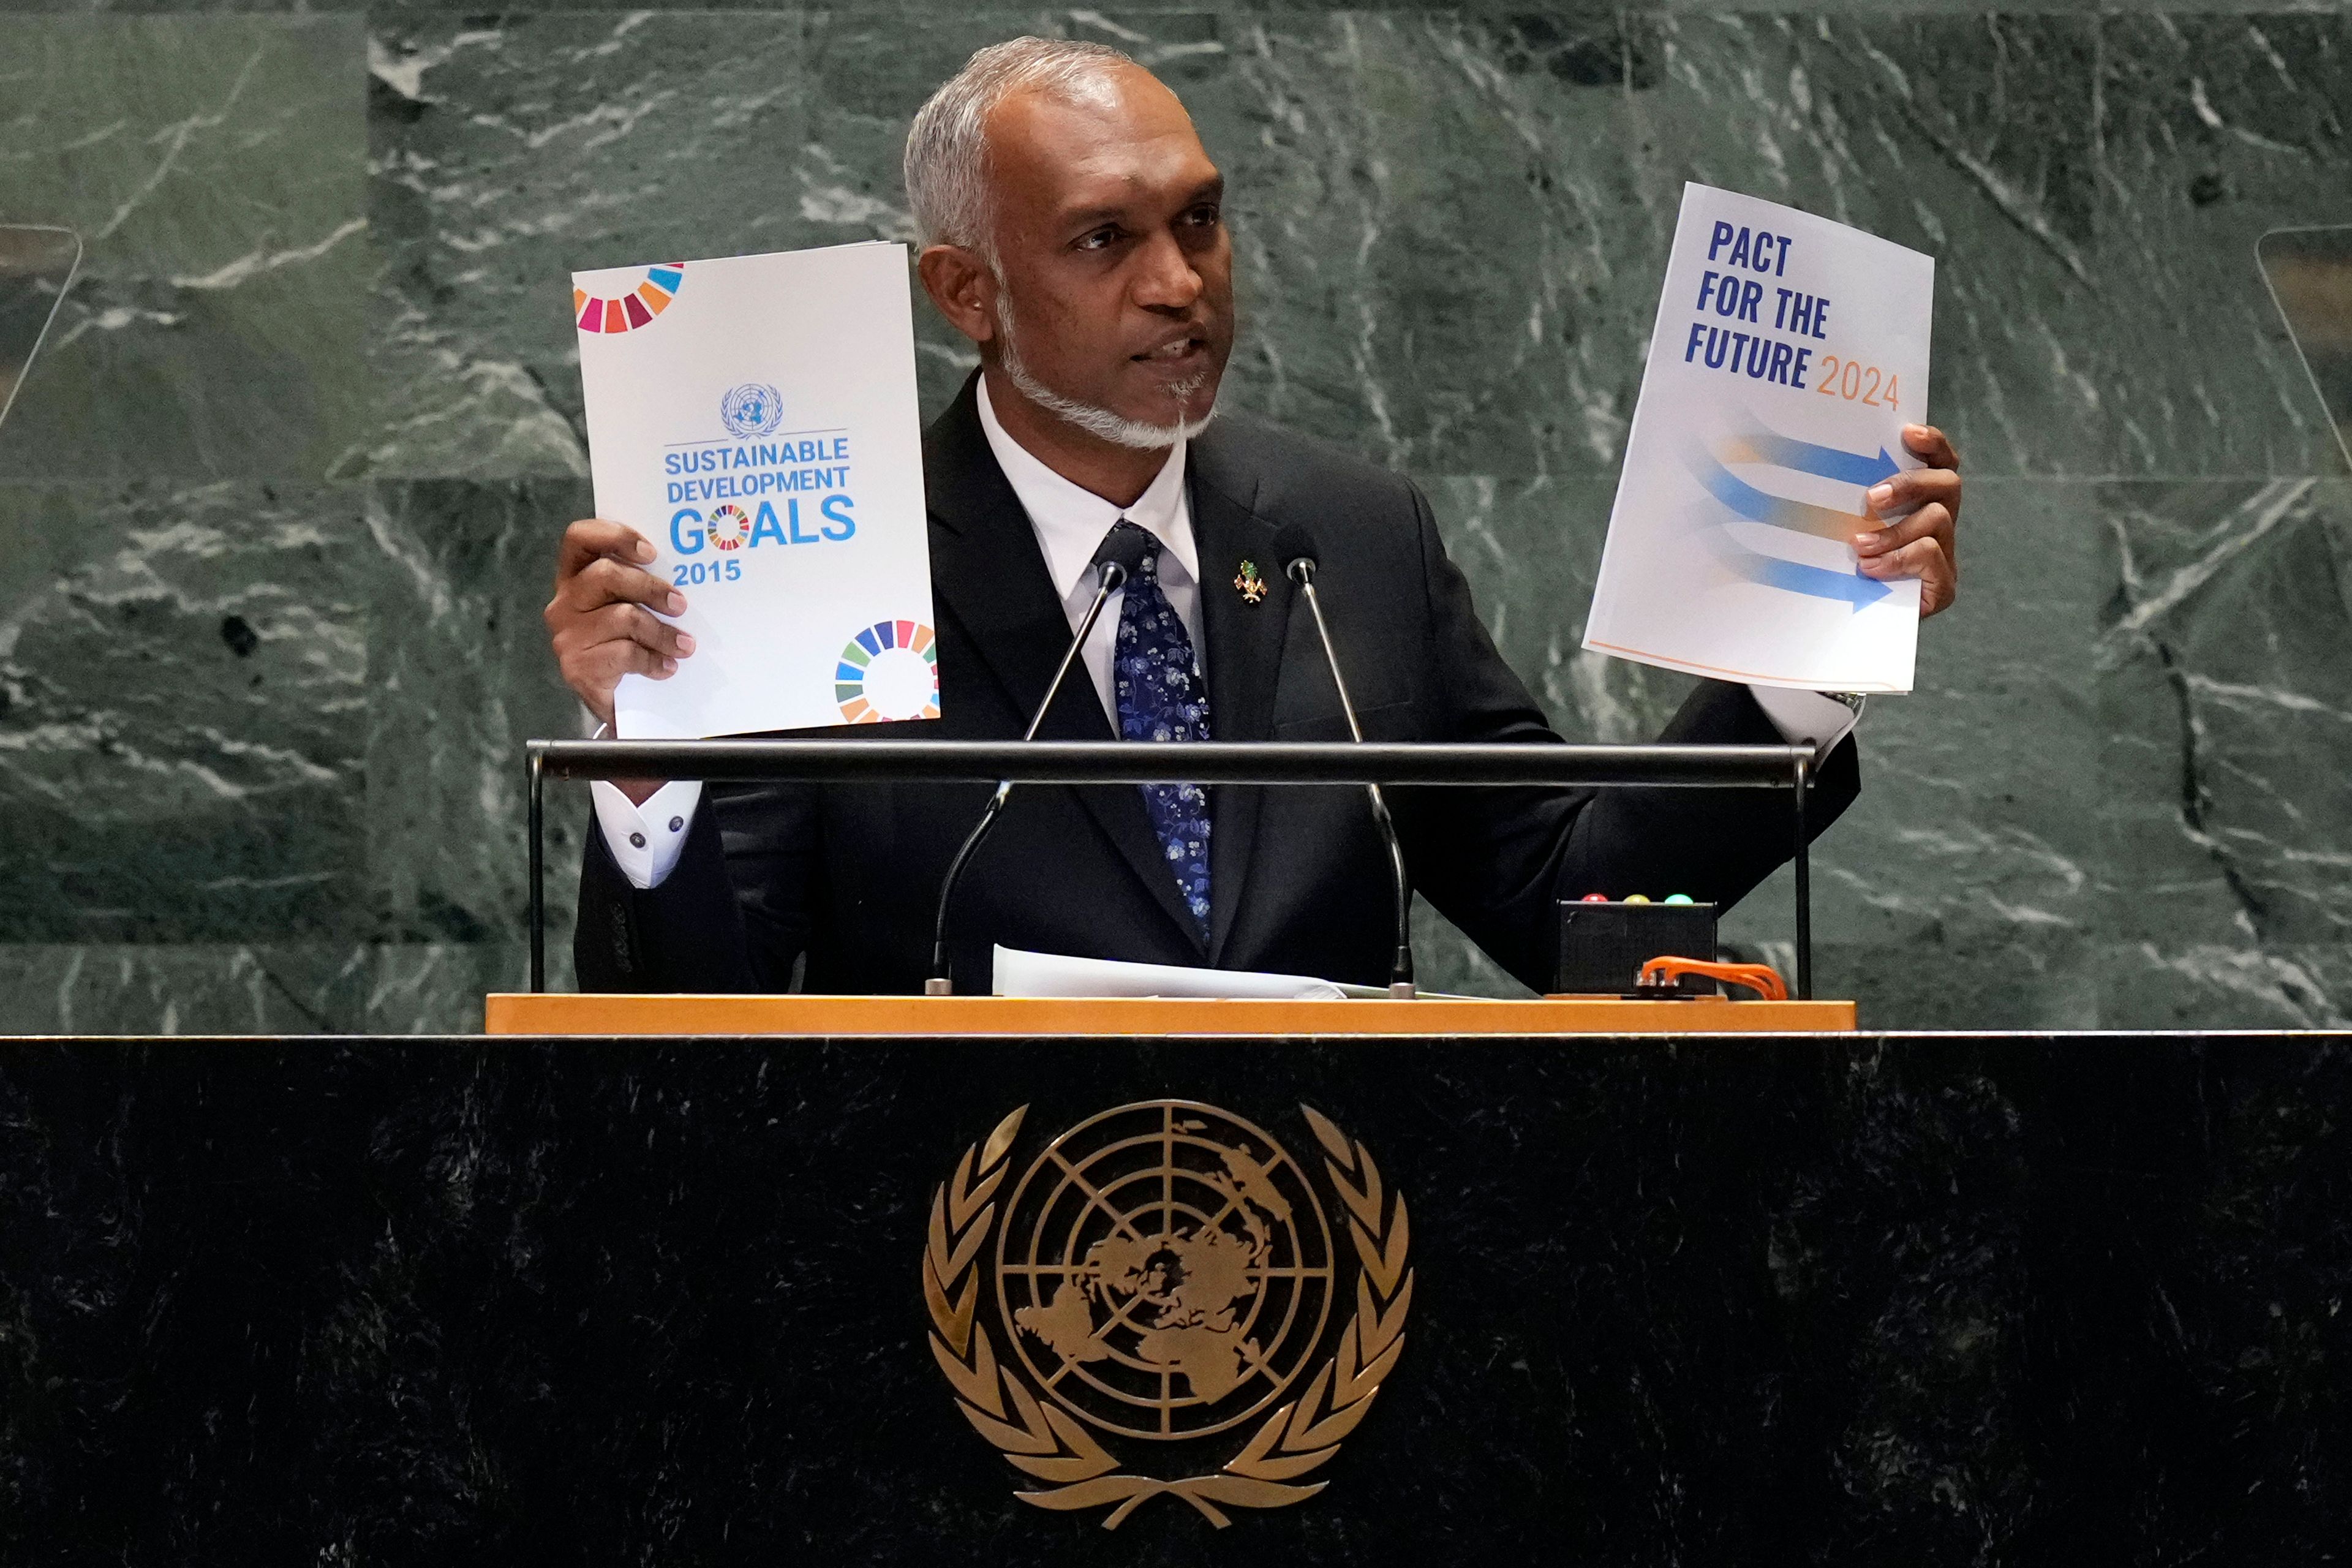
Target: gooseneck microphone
[1295, 548]
[1118, 559]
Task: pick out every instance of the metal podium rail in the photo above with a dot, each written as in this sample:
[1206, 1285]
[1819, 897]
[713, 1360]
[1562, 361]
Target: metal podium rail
[1196, 761]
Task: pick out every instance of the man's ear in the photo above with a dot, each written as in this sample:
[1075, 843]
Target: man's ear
[962, 285]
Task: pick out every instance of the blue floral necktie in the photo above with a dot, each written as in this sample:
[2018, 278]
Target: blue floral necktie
[1161, 697]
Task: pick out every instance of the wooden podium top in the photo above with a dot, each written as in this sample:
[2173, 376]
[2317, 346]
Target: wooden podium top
[550, 1013]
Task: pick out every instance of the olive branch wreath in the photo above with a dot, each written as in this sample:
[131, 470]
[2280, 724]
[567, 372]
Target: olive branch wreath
[1048, 1443]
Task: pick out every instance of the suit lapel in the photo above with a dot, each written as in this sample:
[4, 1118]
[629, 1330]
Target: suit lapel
[987, 569]
[1245, 641]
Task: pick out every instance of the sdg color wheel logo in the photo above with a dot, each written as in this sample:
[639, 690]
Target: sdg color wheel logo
[890, 670]
[634, 309]
[751, 409]
[728, 527]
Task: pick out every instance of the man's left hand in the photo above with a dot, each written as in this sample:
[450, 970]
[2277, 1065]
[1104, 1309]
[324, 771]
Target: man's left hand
[1923, 506]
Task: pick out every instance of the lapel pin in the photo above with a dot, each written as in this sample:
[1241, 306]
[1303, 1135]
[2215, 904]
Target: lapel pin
[1252, 586]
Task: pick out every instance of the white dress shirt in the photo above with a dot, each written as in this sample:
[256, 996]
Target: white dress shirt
[645, 840]
[1813, 718]
[1070, 521]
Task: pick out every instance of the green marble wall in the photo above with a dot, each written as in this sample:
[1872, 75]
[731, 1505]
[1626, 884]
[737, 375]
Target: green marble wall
[279, 504]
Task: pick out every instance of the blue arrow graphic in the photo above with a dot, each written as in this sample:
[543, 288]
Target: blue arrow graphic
[1746, 501]
[1795, 578]
[1811, 581]
[1804, 458]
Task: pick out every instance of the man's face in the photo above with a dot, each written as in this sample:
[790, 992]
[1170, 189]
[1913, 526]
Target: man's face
[1115, 267]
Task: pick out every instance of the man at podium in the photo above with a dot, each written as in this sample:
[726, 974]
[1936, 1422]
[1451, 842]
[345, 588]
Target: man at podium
[1073, 229]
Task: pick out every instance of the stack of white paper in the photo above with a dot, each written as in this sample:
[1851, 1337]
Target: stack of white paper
[1020, 974]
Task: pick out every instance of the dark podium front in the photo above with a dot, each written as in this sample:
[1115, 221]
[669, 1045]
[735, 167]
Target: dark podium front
[1622, 1300]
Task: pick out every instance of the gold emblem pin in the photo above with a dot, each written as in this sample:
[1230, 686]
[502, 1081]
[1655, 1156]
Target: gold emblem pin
[1165, 1273]
[1252, 586]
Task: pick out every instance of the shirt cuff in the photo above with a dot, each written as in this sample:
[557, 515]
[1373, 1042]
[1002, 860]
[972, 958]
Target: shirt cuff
[647, 840]
[1813, 718]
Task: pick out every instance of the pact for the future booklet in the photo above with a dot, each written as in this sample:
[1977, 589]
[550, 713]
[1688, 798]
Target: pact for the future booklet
[756, 418]
[1788, 354]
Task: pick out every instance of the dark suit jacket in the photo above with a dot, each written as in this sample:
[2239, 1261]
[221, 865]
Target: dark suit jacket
[845, 875]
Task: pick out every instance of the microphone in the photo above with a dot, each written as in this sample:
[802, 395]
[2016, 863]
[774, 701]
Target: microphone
[1295, 548]
[1119, 558]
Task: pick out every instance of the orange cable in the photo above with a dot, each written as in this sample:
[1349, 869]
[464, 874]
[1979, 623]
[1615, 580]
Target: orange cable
[1760, 978]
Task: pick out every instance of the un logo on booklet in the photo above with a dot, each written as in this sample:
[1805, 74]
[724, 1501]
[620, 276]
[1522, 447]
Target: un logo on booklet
[751, 409]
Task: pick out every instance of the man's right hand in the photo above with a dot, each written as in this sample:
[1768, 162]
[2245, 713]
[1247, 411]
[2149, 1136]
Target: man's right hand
[600, 622]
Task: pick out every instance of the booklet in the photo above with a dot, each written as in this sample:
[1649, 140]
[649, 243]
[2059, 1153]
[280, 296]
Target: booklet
[1788, 355]
[755, 417]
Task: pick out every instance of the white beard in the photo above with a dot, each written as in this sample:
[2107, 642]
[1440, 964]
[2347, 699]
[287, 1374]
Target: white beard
[1115, 429]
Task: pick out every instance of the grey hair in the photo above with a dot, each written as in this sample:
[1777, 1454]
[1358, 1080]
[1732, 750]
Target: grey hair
[946, 166]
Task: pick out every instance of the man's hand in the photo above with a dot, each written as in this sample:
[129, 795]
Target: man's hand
[599, 624]
[1923, 506]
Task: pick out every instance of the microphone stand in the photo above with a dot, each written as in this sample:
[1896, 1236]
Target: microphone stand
[1401, 983]
[940, 982]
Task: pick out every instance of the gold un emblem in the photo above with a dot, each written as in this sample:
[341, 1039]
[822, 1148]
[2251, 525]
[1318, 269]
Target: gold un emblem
[1165, 1273]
